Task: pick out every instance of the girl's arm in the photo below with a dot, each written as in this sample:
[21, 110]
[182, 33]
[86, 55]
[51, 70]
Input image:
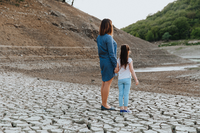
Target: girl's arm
[117, 68]
[133, 72]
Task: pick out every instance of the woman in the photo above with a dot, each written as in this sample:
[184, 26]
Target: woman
[107, 50]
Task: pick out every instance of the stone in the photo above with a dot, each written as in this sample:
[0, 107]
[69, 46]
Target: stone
[96, 129]
[198, 130]
[85, 130]
[82, 121]
[149, 127]
[106, 126]
[13, 124]
[150, 131]
[42, 131]
[56, 130]
[89, 125]
[173, 128]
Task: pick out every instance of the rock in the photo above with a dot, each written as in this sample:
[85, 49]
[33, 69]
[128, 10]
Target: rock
[150, 115]
[54, 13]
[149, 127]
[85, 130]
[198, 130]
[162, 112]
[89, 125]
[82, 121]
[55, 24]
[90, 118]
[4, 114]
[104, 130]
[97, 129]
[14, 124]
[53, 121]
[173, 128]
[63, 112]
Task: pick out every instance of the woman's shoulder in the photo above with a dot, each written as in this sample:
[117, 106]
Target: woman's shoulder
[104, 36]
[108, 36]
[98, 36]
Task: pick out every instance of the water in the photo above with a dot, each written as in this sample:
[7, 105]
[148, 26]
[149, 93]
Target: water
[192, 58]
[166, 68]
[195, 60]
[172, 68]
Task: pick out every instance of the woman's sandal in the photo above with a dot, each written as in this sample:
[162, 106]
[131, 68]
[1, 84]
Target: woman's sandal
[104, 108]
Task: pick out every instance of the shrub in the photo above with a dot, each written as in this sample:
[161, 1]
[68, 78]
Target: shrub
[166, 36]
[195, 34]
[149, 36]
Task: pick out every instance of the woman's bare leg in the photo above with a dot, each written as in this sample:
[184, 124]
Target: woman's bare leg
[105, 92]
[102, 85]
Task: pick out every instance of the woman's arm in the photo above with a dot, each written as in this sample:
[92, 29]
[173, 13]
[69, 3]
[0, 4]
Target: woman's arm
[117, 68]
[111, 52]
[133, 72]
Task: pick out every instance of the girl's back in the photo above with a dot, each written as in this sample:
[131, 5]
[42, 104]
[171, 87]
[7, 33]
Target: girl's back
[124, 72]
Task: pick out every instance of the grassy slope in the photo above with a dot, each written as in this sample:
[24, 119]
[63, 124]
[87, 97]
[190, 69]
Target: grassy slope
[174, 18]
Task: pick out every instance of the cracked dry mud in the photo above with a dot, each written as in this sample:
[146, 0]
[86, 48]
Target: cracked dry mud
[29, 105]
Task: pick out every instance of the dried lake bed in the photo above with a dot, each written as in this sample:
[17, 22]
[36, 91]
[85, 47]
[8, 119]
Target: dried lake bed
[30, 105]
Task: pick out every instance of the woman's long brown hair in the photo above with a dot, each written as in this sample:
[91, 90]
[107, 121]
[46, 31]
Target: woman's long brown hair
[124, 55]
[106, 27]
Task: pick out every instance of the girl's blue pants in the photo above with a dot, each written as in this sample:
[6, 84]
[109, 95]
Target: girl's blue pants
[124, 89]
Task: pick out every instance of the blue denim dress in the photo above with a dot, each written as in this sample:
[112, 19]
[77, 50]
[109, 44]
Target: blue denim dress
[107, 50]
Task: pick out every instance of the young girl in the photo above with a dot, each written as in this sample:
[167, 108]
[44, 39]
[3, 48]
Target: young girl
[125, 69]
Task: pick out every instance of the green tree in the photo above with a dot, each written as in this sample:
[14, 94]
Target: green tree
[156, 37]
[166, 36]
[142, 32]
[183, 27]
[137, 35]
[149, 36]
[177, 18]
[195, 34]
[173, 31]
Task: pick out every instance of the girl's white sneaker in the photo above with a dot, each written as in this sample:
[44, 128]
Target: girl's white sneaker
[127, 111]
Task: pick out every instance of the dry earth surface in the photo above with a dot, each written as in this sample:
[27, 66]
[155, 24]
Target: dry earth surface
[34, 105]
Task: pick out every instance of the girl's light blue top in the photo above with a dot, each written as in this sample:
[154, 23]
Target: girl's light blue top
[107, 50]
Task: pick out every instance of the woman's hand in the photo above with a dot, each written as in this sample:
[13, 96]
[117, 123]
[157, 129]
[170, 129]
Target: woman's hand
[117, 68]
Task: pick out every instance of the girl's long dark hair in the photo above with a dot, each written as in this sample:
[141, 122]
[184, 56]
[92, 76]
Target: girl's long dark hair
[124, 55]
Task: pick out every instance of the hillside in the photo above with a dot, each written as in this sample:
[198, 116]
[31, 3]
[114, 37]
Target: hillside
[180, 19]
[48, 29]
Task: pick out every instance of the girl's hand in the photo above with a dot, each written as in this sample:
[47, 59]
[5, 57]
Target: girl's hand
[116, 70]
[137, 82]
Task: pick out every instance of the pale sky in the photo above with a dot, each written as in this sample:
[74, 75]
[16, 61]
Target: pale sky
[121, 12]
